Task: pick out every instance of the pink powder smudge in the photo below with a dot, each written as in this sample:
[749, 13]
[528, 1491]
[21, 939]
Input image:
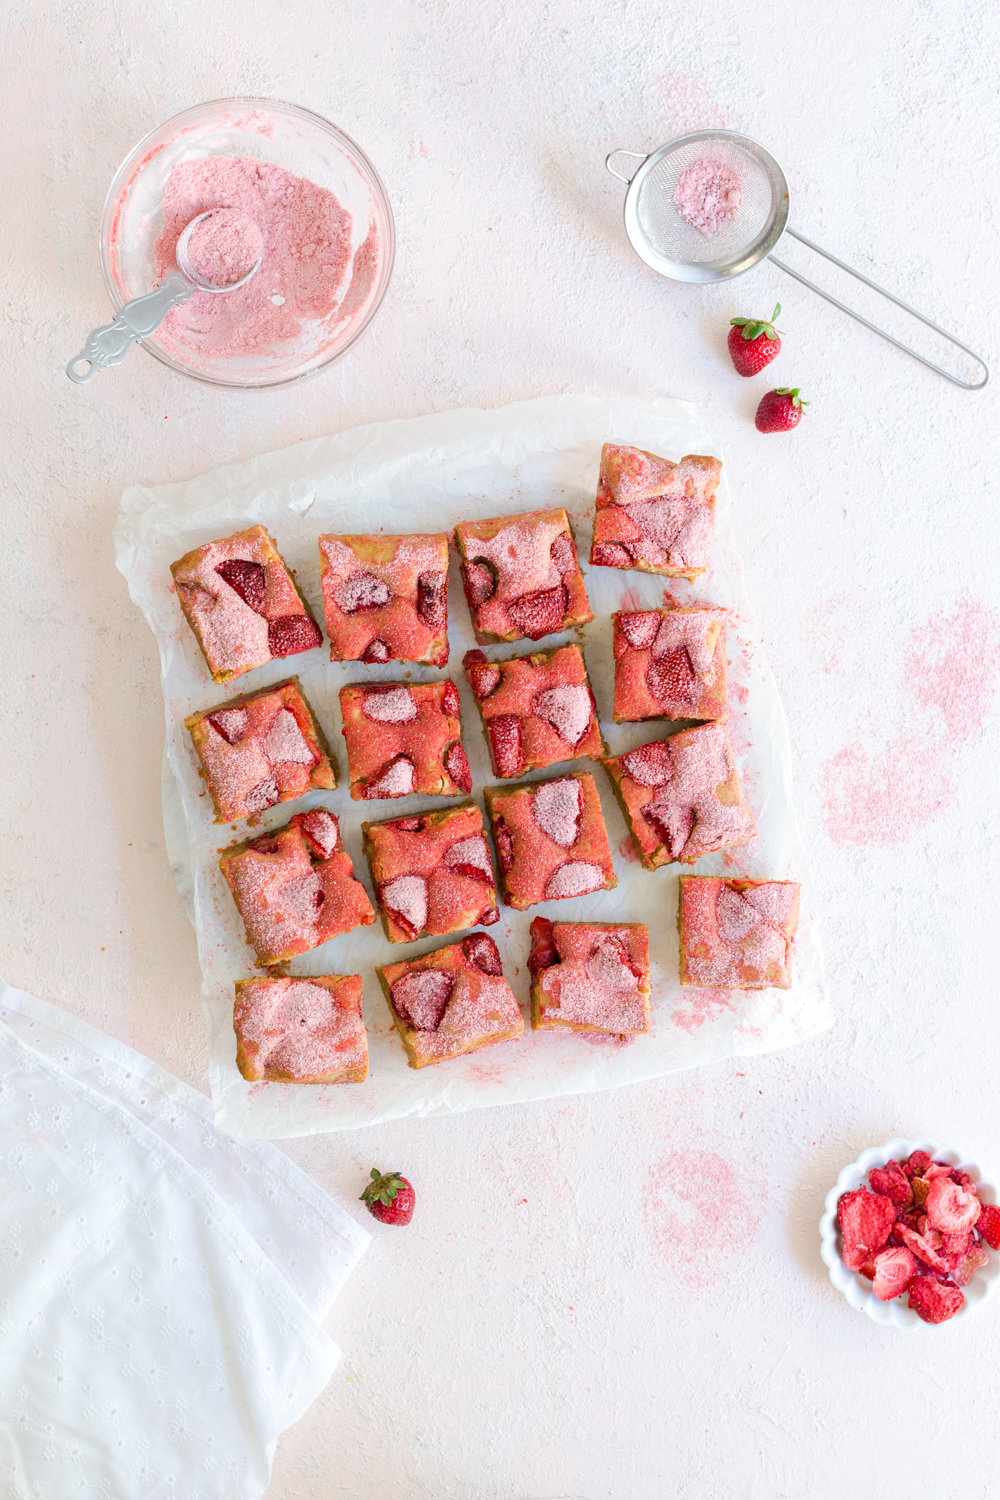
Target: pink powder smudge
[307, 251]
[692, 104]
[708, 194]
[884, 796]
[630, 599]
[700, 1216]
[702, 1006]
[628, 851]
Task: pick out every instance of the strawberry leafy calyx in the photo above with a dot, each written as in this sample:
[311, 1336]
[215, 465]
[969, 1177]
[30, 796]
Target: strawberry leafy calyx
[754, 327]
[383, 1188]
[792, 392]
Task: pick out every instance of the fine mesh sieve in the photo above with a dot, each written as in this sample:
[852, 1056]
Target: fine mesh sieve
[675, 248]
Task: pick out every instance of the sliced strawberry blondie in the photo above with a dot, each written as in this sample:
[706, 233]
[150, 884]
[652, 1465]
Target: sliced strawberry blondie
[670, 664]
[682, 796]
[653, 515]
[261, 749]
[521, 575]
[404, 738]
[551, 840]
[589, 976]
[242, 603]
[537, 710]
[301, 1030]
[433, 873]
[296, 887]
[737, 934]
[386, 597]
[452, 1001]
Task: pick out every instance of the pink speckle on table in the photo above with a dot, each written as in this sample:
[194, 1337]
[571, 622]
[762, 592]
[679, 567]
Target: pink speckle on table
[702, 1006]
[701, 1216]
[692, 104]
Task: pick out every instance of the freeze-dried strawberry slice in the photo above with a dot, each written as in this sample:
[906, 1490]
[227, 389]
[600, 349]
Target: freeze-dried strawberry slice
[397, 779]
[245, 579]
[231, 723]
[649, 765]
[939, 1169]
[988, 1225]
[568, 709]
[375, 652]
[950, 1208]
[479, 578]
[540, 613]
[611, 555]
[921, 1248]
[671, 823]
[421, 999]
[484, 676]
[563, 554]
[321, 830]
[969, 1265]
[405, 898]
[956, 1244]
[470, 857]
[505, 844]
[894, 1270]
[671, 678]
[391, 705]
[919, 1162]
[361, 591]
[891, 1183]
[289, 634]
[932, 1301]
[303, 897]
[432, 600]
[865, 1222]
[482, 951]
[543, 949]
[449, 699]
[505, 743]
[557, 808]
[640, 629]
[265, 794]
[456, 763]
[575, 878]
[919, 1187]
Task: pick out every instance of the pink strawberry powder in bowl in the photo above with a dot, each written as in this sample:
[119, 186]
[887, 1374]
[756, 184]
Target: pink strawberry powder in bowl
[328, 239]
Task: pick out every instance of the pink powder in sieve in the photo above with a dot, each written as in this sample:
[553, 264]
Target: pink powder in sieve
[708, 194]
[306, 237]
[224, 248]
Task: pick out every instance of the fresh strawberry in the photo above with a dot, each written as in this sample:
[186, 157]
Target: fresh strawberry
[505, 742]
[753, 343]
[289, 634]
[246, 579]
[780, 410]
[390, 1198]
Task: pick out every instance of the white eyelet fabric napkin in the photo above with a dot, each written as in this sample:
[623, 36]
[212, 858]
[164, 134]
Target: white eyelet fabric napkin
[161, 1285]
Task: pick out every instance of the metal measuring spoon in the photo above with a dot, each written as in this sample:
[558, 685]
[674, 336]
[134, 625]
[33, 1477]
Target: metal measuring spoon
[143, 315]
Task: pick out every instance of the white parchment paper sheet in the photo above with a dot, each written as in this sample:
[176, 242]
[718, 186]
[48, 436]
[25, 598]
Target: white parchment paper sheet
[425, 474]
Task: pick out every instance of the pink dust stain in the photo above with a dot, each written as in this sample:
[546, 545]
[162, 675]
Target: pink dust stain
[692, 104]
[702, 1006]
[628, 851]
[630, 599]
[700, 1216]
[884, 796]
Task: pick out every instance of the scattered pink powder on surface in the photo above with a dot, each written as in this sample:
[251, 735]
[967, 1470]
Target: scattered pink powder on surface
[224, 247]
[708, 194]
[701, 1216]
[702, 1006]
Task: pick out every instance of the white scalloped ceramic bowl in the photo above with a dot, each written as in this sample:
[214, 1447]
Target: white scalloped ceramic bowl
[856, 1288]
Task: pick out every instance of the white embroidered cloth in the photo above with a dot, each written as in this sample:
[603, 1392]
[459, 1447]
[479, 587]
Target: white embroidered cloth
[160, 1285]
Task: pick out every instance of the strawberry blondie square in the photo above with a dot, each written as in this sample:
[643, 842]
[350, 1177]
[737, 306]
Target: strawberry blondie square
[737, 934]
[537, 710]
[261, 749]
[295, 887]
[653, 515]
[242, 604]
[404, 738]
[452, 1001]
[551, 840]
[433, 873]
[301, 1030]
[386, 597]
[589, 976]
[682, 796]
[521, 575]
[670, 664]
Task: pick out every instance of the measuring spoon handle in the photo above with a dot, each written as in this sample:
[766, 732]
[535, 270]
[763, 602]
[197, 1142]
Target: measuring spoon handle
[137, 319]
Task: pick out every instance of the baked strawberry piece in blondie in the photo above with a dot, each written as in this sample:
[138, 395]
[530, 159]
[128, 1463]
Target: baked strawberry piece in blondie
[295, 887]
[301, 1030]
[551, 840]
[433, 873]
[653, 515]
[404, 738]
[261, 749]
[452, 1001]
[682, 796]
[537, 710]
[670, 664]
[242, 604]
[386, 597]
[589, 976]
[737, 934]
[521, 575]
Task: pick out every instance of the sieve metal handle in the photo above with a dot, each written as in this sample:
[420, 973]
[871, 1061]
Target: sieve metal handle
[640, 157]
[966, 385]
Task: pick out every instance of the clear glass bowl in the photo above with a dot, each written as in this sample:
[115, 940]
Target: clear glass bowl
[292, 138]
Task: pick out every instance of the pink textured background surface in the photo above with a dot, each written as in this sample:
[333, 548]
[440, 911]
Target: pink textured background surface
[619, 1297]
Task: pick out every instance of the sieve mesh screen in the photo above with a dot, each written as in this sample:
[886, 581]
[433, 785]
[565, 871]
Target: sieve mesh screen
[671, 235]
